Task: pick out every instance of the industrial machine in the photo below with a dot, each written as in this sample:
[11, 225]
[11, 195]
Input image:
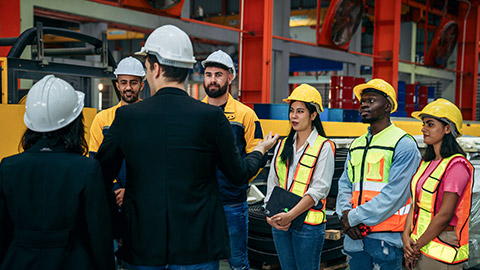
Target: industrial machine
[17, 68]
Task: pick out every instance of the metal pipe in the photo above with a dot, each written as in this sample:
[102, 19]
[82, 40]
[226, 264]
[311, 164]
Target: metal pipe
[8, 41]
[313, 44]
[425, 42]
[68, 51]
[463, 49]
[240, 49]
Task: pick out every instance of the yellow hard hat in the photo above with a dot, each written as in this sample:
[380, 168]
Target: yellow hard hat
[380, 85]
[442, 108]
[307, 93]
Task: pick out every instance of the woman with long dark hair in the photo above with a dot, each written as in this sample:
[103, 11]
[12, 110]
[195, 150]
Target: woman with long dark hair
[436, 230]
[303, 164]
[53, 206]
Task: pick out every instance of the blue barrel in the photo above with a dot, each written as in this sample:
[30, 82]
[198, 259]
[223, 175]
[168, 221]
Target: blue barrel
[335, 115]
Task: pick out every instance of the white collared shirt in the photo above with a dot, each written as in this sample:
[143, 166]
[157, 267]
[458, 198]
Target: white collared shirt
[322, 176]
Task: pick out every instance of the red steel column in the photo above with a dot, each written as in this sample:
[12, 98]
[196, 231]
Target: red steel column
[466, 81]
[9, 21]
[256, 51]
[386, 40]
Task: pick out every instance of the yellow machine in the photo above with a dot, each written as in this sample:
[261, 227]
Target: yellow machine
[14, 69]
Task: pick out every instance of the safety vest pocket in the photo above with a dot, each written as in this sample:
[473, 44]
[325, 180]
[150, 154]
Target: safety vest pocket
[375, 170]
[353, 169]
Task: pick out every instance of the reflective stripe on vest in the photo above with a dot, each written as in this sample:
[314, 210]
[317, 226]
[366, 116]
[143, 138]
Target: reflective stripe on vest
[368, 169]
[425, 204]
[303, 175]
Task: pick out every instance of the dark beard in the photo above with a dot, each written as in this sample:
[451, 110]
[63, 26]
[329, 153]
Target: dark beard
[131, 100]
[216, 93]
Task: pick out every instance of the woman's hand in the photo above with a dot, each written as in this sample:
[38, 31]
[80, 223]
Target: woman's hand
[410, 265]
[411, 250]
[283, 219]
[276, 225]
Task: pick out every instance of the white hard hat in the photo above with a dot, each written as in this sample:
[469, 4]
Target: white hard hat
[222, 58]
[52, 104]
[171, 45]
[130, 66]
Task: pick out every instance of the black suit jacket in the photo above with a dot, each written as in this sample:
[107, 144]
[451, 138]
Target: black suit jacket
[171, 144]
[53, 211]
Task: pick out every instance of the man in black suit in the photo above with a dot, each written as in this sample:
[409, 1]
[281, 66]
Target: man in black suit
[171, 144]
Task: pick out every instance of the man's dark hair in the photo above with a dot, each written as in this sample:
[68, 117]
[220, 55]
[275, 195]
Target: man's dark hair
[218, 65]
[173, 74]
[287, 153]
[449, 147]
[72, 137]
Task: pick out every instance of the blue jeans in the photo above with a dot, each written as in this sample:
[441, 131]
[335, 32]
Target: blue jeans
[237, 221]
[376, 254]
[213, 265]
[302, 249]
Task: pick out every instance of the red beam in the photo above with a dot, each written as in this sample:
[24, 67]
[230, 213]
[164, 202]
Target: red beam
[467, 60]
[428, 8]
[256, 51]
[386, 40]
[9, 21]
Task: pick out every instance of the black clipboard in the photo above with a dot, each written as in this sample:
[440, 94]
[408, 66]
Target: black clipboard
[282, 200]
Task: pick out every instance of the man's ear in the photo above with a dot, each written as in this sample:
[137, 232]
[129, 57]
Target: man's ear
[230, 78]
[157, 70]
[142, 84]
[388, 106]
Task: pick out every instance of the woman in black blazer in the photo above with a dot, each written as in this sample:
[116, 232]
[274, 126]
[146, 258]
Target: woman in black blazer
[53, 206]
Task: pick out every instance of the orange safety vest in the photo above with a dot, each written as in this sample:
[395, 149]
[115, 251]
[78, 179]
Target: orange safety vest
[368, 170]
[425, 204]
[303, 175]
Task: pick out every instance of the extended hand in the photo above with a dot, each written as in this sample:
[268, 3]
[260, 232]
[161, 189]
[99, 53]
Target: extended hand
[267, 143]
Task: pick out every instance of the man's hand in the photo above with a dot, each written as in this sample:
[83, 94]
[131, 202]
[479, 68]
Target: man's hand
[119, 196]
[355, 233]
[344, 221]
[267, 143]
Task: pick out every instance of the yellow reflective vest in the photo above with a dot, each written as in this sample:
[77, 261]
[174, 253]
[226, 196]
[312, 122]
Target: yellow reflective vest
[425, 203]
[303, 176]
[368, 170]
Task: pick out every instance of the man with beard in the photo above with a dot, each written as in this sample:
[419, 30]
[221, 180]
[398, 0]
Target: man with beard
[172, 143]
[219, 74]
[130, 74]
[373, 191]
